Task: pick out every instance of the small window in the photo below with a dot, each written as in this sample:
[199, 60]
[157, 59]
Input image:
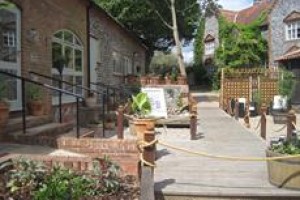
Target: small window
[293, 30]
[209, 48]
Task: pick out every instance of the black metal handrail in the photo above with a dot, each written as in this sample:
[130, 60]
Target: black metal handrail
[76, 86]
[24, 79]
[66, 82]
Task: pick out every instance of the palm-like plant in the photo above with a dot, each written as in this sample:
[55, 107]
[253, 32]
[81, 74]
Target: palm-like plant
[141, 105]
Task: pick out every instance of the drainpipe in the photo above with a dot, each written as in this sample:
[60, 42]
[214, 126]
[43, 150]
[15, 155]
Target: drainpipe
[88, 45]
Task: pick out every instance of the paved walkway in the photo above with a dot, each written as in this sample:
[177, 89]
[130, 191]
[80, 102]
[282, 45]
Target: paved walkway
[178, 173]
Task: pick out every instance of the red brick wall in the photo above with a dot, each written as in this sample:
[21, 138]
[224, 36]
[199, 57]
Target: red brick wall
[47, 17]
[124, 152]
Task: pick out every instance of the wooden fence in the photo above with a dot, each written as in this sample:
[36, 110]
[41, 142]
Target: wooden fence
[243, 83]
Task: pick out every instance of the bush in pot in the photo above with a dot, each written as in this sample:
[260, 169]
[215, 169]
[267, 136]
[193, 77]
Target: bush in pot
[141, 108]
[35, 103]
[286, 86]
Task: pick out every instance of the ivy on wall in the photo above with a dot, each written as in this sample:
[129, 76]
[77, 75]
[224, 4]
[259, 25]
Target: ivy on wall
[200, 72]
[241, 45]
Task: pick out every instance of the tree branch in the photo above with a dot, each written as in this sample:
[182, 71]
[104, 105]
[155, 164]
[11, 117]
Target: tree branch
[160, 16]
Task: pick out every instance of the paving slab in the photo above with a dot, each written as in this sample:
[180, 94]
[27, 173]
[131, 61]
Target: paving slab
[179, 173]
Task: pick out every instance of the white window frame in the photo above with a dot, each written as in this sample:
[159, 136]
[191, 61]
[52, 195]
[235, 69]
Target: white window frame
[209, 48]
[292, 30]
[69, 72]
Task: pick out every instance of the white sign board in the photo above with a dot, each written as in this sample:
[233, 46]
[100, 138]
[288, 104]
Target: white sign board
[279, 102]
[158, 102]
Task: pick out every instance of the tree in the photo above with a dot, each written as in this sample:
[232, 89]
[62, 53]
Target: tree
[160, 24]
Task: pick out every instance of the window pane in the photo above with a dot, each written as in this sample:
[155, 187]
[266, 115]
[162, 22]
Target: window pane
[10, 83]
[69, 57]
[78, 60]
[8, 36]
[68, 37]
[78, 81]
[57, 55]
[59, 35]
[55, 84]
[68, 87]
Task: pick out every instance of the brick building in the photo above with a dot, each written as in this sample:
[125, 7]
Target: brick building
[35, 35]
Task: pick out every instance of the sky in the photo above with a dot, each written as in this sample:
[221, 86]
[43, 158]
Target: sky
[227, 4]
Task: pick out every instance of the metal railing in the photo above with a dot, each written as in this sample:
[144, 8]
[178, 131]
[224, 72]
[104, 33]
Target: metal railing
[101, 94]
[24, 79]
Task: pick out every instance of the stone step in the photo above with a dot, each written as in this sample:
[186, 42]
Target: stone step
[220, 197]
[45, 134]
[16, 124]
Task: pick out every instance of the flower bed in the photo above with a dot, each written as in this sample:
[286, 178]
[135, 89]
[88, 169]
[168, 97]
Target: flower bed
[26, 179]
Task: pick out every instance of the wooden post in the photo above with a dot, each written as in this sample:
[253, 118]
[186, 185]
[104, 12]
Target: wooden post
[291, 120]
[120, 122]
[147, 172]
[236, 109]
[193, 125]
[149, 152]
[229, 109]
[263, 121]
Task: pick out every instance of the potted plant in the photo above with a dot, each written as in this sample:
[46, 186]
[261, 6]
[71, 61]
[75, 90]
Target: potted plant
[35, 104]
[281, 103]
[141, 109]
[256, 103]
[286, 86]
[286, 172]
[4, 108]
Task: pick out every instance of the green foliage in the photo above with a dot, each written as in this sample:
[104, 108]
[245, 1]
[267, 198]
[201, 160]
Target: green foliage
[241, 45]
[199, 43]
[6, 5]
[290, 148]
[107, 175]
[256, 97]
[141, 17]
[141, 105]
[63, 184]
[34, 92]
[25, 177]
[286, 83]
[30, 179]
[162, 62]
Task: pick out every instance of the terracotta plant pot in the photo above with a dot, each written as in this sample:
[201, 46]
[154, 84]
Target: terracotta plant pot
[181, 80]
[168, 81]
[154, 80]
[144, 80]
[4, 113]
[141, 125]
[36, 108]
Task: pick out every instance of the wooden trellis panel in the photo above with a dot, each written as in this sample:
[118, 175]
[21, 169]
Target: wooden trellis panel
[268, 88]
[238, 84]
[235, 88]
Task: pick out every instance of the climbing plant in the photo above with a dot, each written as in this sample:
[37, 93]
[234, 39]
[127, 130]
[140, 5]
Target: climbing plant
[241, 45]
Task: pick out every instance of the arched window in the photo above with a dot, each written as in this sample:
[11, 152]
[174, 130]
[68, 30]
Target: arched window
[67, 58]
